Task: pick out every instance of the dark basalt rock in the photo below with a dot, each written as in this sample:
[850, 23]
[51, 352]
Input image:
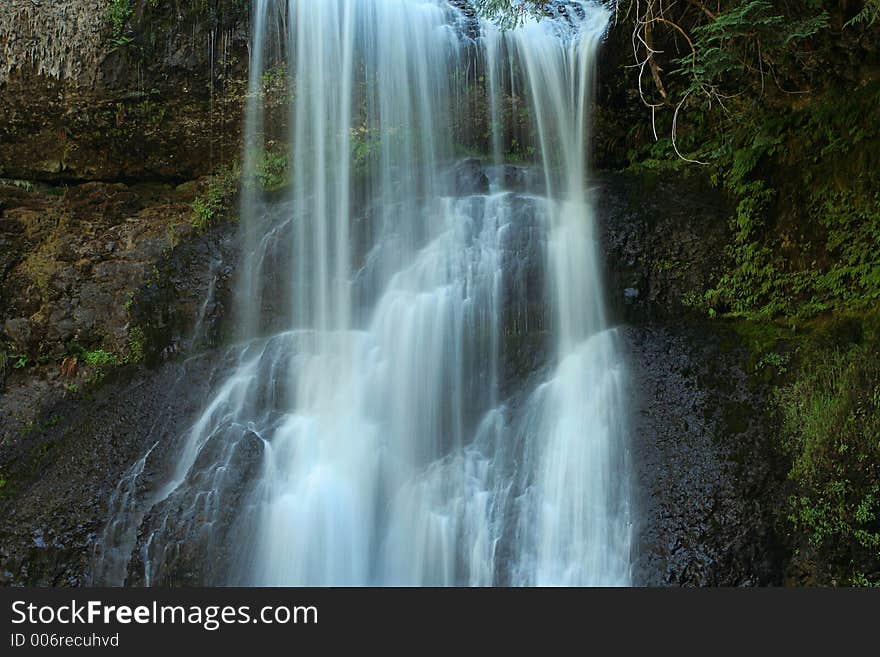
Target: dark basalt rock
[663, 240]
[65, 474]
[702, 461]
[65, 440]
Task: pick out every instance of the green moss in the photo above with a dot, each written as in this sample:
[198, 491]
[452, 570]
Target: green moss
[768, 345]
[805, 237]
[42, 427]
[763, 95]
[129, 300]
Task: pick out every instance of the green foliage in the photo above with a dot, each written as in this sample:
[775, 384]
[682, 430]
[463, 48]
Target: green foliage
[737, 43]
[99, 358]
[119, 13]
[98, 361]
[365, 146]
[775, 360]
[831, 432]
[203, 212]
[822, 251]
[272, 171]
[11, 357]
[275, 78]
[805, 180]
[868, 16]
[217, 198]
[136, 345]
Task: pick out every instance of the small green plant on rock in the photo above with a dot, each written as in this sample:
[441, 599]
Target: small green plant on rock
[99, 358]
[203, 212]
[272, 171]
[217, 198]
[136, 345]
[98, 361]
[119, 13]
[129, 301]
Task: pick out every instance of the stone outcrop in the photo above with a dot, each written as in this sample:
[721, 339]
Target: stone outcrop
[159, 100]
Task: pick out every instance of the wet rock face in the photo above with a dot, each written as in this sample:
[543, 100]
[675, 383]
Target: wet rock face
[49, 526]
[77, 259]
[172, 535]
[39, 37]
[160, 101]
[702, 461]
[704, 471]
[663, 239]
[469, 177]
[96, 267]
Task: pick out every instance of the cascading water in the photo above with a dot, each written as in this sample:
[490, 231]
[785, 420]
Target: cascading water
[370, 431]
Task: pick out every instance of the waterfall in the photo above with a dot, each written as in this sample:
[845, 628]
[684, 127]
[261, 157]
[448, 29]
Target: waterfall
[373, 428]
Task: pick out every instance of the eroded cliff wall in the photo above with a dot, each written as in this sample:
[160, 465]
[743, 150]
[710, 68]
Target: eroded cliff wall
[154, 92]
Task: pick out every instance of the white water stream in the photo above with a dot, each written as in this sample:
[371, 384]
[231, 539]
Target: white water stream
[377, 308]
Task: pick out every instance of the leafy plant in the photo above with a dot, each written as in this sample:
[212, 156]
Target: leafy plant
[868, 16]
[99, 358]
[217, 198]
[136, 345]
[831, 431]
[272, 171]
[119, 13]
